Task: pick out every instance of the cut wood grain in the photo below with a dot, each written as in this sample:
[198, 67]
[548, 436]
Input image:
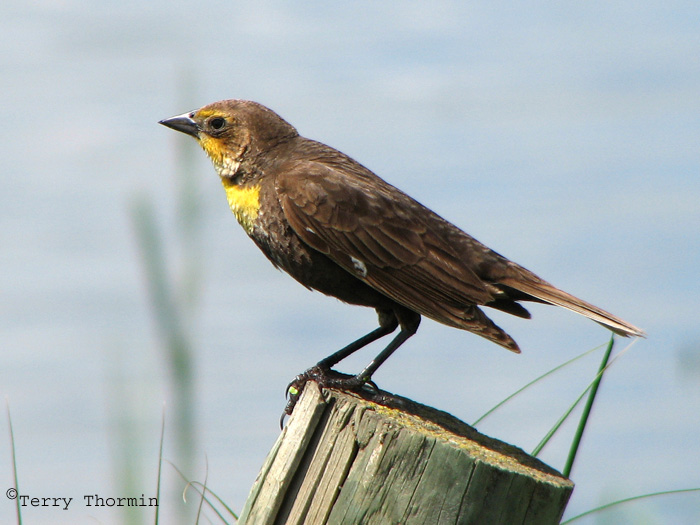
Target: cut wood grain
[343, 459]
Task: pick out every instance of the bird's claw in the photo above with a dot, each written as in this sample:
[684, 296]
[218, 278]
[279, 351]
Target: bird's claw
[326, 378]
[371, 386]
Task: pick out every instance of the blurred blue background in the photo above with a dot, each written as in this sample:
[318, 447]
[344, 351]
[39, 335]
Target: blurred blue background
[566, 136]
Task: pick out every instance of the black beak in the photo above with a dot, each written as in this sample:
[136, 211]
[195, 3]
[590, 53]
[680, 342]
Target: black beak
[183, 123]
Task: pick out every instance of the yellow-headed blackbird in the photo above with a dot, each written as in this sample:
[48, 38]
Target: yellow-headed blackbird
[338, 228]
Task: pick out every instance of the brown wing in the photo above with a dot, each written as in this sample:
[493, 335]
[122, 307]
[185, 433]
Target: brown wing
[390, 242]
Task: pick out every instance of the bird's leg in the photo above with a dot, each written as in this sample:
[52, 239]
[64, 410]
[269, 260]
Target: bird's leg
[321, 372]
[409, 321]
[366, 374]
[387, 324]
[325, 377]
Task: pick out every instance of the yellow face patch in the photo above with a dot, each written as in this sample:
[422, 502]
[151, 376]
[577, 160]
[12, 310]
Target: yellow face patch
[214, 148]
[244, 202]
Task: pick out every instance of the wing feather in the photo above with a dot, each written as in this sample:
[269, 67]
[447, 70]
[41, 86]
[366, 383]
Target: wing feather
[410, 254]
[390, 233]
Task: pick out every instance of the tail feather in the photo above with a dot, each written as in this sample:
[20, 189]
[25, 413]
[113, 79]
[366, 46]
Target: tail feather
[476, 321]
[544, 291]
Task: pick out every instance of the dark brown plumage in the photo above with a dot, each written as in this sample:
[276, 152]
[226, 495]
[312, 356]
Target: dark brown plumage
[336, 227]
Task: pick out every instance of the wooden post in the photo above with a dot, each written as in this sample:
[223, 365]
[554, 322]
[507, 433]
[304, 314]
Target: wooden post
[342, 459]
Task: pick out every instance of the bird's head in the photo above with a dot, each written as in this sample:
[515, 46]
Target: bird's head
[231, 131]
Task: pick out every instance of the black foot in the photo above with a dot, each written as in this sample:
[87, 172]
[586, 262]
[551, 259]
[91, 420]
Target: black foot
[326, 378]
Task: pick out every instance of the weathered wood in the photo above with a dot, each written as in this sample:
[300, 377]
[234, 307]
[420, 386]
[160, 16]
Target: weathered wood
[342, 459]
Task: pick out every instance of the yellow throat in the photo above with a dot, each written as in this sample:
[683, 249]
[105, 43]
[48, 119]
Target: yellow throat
[244, 202]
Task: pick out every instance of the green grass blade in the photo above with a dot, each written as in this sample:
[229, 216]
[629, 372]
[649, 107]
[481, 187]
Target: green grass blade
[14, 463]
[171, 323]
[203, 490]
[563, 418]
[218, 500]
[534, 381]
[160, 462]
[626, 500]
[587, 409]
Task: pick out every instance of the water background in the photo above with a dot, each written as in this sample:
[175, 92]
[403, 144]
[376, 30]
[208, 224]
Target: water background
[564, 135]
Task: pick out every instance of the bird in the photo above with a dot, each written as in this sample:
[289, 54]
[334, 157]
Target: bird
[338, 228]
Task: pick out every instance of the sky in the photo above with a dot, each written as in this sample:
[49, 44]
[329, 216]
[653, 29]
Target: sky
[564, 136]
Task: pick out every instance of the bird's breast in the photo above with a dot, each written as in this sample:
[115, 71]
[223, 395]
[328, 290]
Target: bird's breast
[244, 202]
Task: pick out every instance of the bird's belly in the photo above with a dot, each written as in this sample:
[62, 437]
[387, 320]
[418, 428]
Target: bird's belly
[311, 268]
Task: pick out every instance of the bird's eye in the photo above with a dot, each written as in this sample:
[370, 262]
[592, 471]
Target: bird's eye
[217, 123]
